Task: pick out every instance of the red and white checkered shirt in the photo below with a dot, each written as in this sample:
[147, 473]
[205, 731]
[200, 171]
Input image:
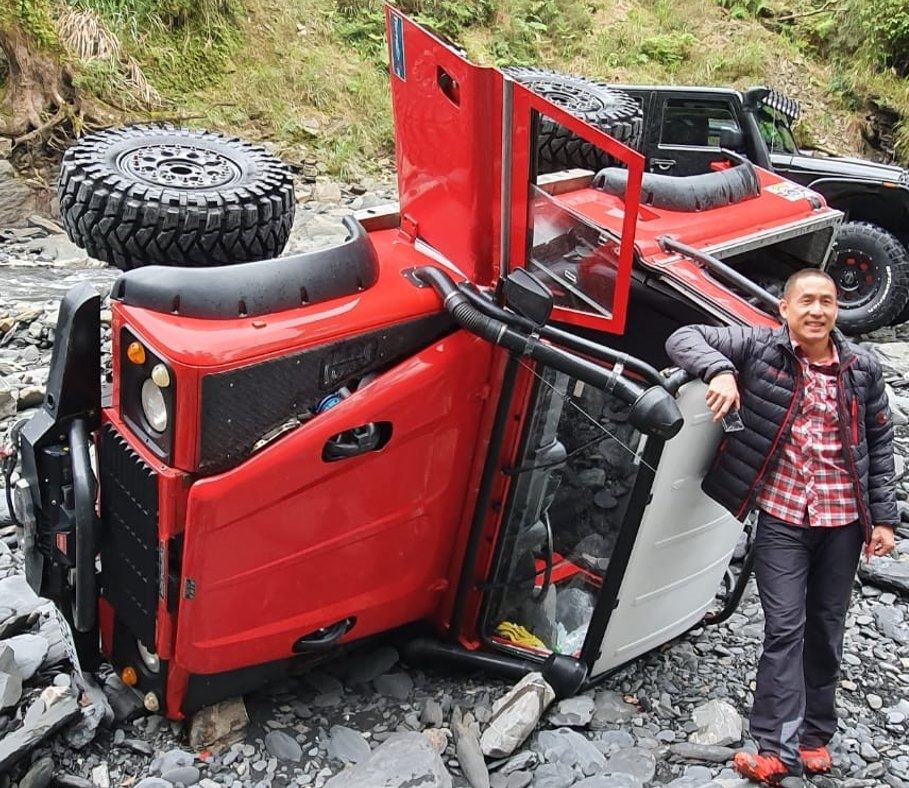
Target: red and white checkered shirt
[811, 484]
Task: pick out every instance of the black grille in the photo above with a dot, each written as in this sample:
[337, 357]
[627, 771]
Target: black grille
[129, 538]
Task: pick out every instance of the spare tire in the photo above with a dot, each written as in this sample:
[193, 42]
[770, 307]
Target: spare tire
[871, 270]
[612, 111]
[159, 195]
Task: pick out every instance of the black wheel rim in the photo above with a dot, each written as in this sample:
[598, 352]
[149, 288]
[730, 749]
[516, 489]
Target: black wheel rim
[856, 276]
[574, 100]
[179, 166]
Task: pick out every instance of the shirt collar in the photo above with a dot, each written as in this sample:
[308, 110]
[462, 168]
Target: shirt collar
[834, 358]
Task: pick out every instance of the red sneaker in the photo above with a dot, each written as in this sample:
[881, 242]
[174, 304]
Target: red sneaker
[816, 760]
[766, 769]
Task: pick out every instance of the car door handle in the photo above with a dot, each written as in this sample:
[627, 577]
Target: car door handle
[356, 441]
[663, 165]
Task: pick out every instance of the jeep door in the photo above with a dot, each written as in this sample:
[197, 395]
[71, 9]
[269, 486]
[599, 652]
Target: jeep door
[683, 131]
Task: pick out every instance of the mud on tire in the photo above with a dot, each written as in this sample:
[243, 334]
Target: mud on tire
[161, 195]
[871, 270]
[609, 110]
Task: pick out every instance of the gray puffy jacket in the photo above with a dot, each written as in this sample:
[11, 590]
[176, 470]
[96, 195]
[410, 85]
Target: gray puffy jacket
[769, 380]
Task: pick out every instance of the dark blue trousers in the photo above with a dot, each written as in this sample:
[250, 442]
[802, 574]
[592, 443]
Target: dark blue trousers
[804, 578]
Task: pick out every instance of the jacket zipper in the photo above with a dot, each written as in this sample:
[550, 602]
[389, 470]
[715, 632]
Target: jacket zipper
[864, 516]
[796, 397]
[854, 415]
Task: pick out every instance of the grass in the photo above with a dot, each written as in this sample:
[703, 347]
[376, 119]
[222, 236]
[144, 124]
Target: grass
[310, 75]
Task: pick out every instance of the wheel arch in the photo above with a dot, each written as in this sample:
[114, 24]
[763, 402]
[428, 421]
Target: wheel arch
[866, 202]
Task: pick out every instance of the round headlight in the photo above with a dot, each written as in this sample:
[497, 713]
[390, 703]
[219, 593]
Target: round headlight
[153, 406]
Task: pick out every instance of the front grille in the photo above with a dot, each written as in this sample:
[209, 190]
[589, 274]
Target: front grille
[129, 535]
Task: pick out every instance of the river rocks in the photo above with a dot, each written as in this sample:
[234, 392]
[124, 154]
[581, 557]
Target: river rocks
[403, 759]
[283, 746]
[18, 201]
[718, 724]
[611, 709]
[347, 745]
[573, 712]
[570, 748]
[515, 715]
[29, 652]
[886, 572]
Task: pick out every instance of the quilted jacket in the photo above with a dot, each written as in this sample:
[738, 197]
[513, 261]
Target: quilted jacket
[770, 387]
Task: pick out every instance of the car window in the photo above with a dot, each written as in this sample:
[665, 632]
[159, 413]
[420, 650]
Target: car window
[696, 122]
[775, 130]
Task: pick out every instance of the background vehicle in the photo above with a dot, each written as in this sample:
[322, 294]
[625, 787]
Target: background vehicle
[682, 132]
[456, 418]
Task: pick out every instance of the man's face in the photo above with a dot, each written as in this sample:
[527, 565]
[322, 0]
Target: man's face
[810, 309]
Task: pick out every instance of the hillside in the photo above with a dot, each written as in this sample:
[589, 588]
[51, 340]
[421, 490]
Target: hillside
[309, 75]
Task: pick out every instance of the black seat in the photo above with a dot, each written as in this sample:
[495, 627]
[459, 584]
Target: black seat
[259, 288]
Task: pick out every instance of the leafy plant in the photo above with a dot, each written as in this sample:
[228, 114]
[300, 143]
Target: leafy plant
[669, 49]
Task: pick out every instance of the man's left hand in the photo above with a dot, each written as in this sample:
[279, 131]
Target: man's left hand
[882, 541]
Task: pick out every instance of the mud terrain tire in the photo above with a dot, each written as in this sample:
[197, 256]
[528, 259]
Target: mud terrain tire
[144, 195]
[609, 110]
[871, 270]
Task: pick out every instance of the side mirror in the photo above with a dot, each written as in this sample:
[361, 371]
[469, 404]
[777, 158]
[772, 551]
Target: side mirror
[732, 139]
[528, 296]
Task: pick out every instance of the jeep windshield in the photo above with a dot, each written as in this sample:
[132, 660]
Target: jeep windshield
[775, 130]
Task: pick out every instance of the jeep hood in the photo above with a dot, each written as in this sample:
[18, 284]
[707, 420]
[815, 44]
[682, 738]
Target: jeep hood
[847, 167]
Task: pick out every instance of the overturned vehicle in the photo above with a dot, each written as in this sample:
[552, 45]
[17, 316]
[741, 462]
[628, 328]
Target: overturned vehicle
[460, 419]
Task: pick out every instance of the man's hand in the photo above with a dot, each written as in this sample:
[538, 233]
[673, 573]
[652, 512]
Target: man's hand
[722, 394]
[882, 541]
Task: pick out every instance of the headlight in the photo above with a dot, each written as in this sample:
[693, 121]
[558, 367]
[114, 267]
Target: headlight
[148, 657]
[154, 406]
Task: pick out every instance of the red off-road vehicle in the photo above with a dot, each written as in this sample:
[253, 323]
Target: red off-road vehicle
[460, 418]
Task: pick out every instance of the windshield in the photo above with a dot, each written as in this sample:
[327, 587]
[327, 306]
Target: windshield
[775, 130]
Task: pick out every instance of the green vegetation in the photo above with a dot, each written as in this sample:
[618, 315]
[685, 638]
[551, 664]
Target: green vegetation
[311, 75]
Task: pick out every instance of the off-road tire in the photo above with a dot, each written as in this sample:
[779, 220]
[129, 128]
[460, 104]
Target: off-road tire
[871, 270]
[144, 195]
[610, 110]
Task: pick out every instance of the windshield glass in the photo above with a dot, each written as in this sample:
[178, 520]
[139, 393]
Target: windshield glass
[775, 130]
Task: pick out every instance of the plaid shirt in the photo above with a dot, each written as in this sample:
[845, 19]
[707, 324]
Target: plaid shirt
[810, 484]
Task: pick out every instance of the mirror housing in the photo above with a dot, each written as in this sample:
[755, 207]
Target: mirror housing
[528, 296]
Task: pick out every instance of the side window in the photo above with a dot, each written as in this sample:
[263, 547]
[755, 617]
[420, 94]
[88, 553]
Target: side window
[696, 122]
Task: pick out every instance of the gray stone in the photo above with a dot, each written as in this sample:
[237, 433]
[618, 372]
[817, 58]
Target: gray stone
[16, 745]
[431, 714]
[568, 747]
[17, 594]
[182, 774]
[553, 775]
[515, 715]
[283, 746]
[153, 782]
[634, 761]
[124, 700]
[347, 745]
[891, 622]
[71, 781]
[402, 759]
[29, 651]
[9, 398]
[172, 759]
[886, 572]
[718, 723]
[610, 741]
[708, 753]
[618, 780]
[470, 757]
[573, 712]
[394, 685]
[98, 712]
[10, 689]
[611, 709]
[39, 774]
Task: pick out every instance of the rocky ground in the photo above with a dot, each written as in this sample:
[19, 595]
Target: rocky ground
[671, 718]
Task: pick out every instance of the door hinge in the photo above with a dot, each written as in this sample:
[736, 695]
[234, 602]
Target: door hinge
[189, 588]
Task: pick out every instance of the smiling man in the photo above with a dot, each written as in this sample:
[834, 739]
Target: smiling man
[815, 458]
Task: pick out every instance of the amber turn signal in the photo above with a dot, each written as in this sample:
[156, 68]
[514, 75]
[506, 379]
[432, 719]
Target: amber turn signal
[136, 353]
[128, 676]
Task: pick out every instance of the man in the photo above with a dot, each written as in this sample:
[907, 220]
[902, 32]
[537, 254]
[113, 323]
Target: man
[815, 458]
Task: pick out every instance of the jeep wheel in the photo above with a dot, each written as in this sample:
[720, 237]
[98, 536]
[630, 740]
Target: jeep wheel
[871, 270]
[612, 111]
[160, 195]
